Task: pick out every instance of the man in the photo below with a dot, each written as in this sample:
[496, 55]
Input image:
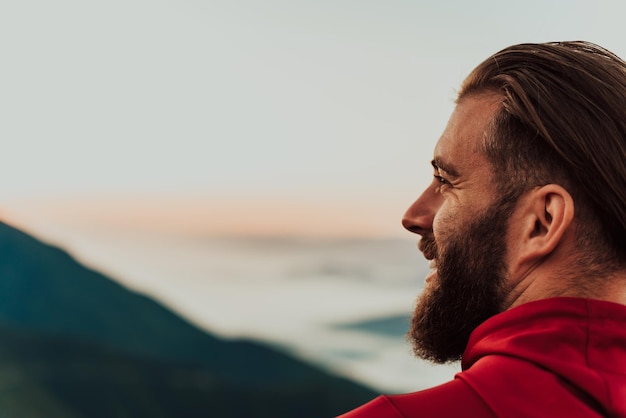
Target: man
[525, 226]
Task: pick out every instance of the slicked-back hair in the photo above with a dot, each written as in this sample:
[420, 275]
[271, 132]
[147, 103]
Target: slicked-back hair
[562, 120]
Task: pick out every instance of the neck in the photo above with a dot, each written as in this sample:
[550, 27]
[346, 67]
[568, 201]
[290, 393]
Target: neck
[614, 290]
[544, 281]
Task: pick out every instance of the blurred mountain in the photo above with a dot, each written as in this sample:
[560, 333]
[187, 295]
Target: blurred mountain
[391, 326]
[73, 343]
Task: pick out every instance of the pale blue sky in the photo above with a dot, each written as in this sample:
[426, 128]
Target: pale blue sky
[327, 98]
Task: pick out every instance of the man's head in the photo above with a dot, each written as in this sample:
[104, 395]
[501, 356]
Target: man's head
[530, 184]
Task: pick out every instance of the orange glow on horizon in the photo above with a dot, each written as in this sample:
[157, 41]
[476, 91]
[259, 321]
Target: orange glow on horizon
[215, 217]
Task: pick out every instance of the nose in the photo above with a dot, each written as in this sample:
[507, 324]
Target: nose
[420, 215]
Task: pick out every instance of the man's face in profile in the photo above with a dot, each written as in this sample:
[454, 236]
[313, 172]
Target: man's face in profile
[463, 224]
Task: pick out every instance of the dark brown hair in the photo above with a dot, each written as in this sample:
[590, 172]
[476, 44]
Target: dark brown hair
[562, 120]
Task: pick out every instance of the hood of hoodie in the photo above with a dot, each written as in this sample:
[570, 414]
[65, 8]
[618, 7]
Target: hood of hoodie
[580, 341]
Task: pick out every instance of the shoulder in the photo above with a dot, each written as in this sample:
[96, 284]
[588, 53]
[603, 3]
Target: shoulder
[452, 399]
[517, 387]
[380, 407]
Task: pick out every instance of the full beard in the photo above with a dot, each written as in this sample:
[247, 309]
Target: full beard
[468, 287]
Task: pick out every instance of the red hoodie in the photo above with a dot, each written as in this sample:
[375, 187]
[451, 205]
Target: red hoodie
[560, 357]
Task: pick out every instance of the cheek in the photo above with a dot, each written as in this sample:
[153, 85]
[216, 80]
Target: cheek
[445, 220]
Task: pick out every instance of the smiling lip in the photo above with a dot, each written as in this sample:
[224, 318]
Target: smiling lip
[433, 270]
[428, 247]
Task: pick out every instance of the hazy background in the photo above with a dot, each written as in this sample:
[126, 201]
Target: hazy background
[248, 162]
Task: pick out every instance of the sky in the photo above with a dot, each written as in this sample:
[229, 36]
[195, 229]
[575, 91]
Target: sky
[122, 108]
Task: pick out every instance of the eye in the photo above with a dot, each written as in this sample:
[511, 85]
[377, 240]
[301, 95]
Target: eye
[442, 182]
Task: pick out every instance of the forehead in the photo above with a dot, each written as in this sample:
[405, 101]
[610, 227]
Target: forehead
[460, 146]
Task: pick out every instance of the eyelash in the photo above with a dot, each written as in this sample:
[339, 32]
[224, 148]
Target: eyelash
[441, 180]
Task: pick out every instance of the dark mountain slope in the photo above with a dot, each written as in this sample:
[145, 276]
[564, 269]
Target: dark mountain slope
[73, 341]
[49, 376]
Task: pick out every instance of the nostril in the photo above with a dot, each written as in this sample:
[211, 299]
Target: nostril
[420, 215]
[408, 226]
[412, 226]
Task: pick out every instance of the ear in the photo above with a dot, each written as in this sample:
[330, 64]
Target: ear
[547, 213]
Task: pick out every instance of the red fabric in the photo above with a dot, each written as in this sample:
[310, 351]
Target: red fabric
[560, 357]
[380, 407]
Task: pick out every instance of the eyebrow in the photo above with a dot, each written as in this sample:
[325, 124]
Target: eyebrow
[439, 164]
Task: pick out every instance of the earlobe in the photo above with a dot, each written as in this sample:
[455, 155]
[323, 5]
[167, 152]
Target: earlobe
[549, 215]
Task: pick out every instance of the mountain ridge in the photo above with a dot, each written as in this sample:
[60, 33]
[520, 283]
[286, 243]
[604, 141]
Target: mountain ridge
[51, 300]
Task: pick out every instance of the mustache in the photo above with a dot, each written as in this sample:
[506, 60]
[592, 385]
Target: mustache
[428, 246]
